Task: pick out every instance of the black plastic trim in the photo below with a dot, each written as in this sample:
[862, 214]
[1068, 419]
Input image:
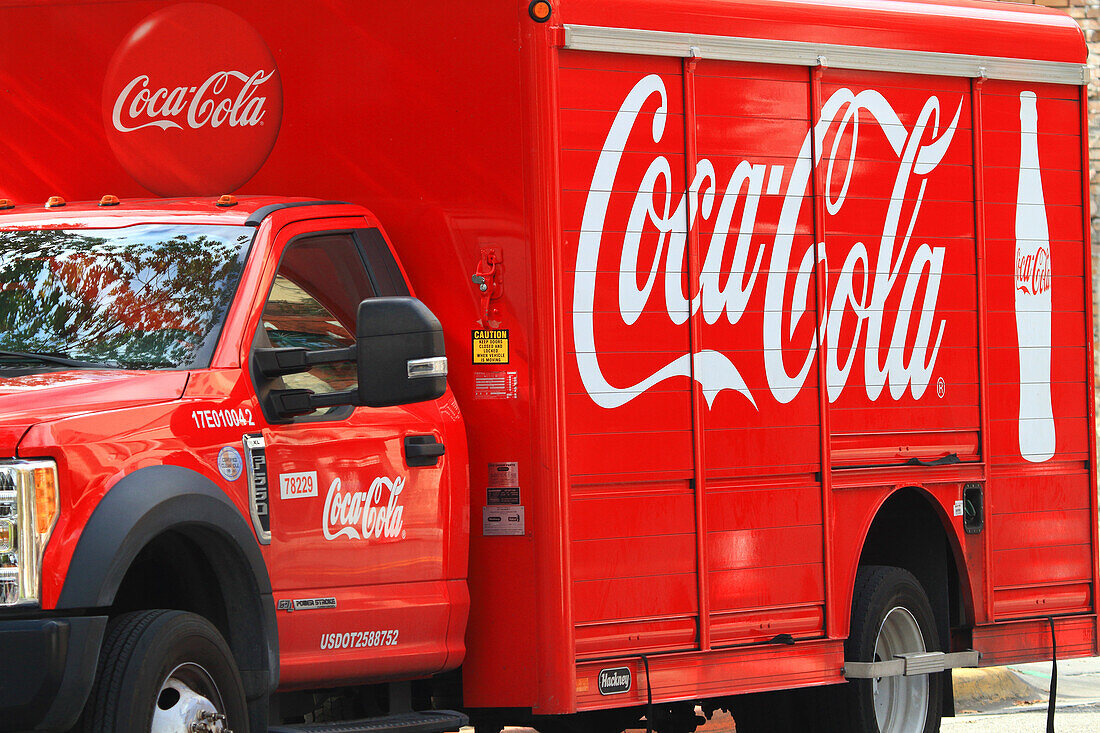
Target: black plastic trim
[423, 450]
[57, 657]
[265, 211]
[973, 508]
[136, 510]
[152, 501]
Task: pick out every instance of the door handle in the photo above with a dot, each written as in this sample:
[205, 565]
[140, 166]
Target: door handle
[422, 450]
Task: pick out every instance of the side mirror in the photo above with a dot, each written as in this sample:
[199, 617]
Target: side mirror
[399, 353]
[399, 360]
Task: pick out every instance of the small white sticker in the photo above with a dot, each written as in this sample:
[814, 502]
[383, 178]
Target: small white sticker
[497, 521]
[297, 485]
[230, 463]
[496, 385]
[503, 484]
[503, 475]
[958, 508]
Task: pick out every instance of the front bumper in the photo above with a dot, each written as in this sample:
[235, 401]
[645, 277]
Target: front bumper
[47, 666]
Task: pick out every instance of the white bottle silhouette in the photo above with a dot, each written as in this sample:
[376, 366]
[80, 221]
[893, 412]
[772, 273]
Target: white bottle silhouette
[1033, 282]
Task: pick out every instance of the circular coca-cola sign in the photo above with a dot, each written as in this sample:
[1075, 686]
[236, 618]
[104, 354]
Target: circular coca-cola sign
[192, 101]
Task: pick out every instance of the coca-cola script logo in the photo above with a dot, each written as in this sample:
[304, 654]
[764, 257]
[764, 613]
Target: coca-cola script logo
[192, 101]
[890, 356]
[364, 515]
[1033, 271]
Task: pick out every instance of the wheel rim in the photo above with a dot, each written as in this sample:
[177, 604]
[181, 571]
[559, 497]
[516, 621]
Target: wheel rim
[189, 702]
[901, 703]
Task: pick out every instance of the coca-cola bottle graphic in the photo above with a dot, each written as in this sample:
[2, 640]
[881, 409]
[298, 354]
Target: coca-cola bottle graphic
[1036, 425]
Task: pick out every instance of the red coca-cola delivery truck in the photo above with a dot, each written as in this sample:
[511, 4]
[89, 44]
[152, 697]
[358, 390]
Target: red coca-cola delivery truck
[667, 354]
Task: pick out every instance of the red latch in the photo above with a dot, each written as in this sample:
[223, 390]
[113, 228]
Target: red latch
[489, 280]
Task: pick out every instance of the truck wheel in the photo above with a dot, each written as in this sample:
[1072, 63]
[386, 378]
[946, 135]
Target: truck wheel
[890, 616]
[165, 672]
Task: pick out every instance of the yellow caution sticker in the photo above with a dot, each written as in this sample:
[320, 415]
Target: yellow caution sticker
[491, 347]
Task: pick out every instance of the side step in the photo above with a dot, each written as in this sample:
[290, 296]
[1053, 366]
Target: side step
[429, 721]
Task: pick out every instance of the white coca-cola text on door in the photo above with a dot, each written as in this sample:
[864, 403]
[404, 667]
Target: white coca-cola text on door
[888, 357]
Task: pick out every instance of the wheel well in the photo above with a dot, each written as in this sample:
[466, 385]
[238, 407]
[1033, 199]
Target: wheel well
[193, 568]
[908, 533]
[172, 572]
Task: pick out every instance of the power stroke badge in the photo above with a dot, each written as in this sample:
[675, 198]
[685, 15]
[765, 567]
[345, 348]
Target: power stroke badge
[614, 681]
[290, 605]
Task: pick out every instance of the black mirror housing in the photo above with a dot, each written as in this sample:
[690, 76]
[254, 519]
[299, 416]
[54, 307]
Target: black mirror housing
[400, 354]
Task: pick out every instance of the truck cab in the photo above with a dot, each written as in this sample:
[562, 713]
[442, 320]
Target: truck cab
[230, 410]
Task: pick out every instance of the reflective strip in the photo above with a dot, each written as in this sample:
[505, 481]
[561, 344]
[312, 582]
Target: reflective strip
[800, 53]
[910, 665]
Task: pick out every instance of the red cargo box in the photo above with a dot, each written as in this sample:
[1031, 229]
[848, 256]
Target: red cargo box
[764, 300]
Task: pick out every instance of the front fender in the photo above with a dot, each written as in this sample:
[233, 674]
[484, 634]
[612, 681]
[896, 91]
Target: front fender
[152, 501]
[137, 509]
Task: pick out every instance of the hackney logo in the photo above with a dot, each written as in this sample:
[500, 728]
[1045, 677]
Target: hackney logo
[614, 681]
[192, 101]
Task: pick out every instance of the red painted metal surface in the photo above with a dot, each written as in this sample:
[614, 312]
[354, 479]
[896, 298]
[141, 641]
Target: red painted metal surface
[554, 651]
[690, 514]
[977, 126]
[917, 292]
[830, 453]
[1086, 217]
[693, 261]
[1018, 641]
[693, 675]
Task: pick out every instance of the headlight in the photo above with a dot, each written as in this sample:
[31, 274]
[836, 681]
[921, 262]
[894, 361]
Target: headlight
[28, 513]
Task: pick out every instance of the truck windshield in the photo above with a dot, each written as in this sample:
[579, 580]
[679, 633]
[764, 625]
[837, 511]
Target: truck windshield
[151, 296]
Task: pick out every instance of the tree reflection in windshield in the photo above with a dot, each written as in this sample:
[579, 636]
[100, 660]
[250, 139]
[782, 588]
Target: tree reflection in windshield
[141, 297]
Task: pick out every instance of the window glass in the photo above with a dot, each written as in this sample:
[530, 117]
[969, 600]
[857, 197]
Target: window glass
[152, 296]
[313, 305]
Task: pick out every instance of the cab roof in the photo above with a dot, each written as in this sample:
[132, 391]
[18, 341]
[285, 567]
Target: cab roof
[241, 211]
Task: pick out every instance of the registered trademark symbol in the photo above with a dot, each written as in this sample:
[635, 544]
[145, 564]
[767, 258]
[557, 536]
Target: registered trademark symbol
[941, 387]
[402, 534]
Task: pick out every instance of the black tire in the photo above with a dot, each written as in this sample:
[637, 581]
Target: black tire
[140, 651]
[879, 590]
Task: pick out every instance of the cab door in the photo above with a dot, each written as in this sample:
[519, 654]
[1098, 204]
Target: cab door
[356, 550]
